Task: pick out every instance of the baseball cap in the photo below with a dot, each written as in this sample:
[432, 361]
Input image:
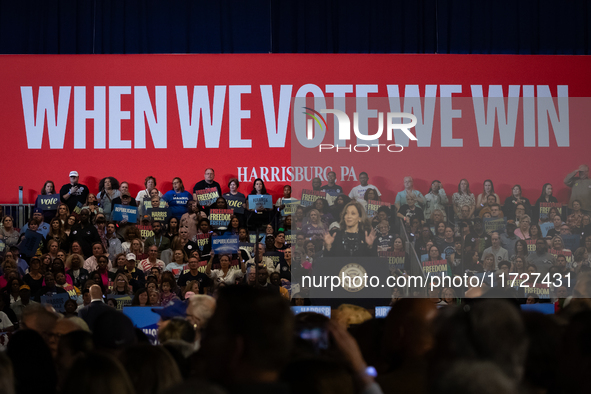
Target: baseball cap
[38, 210]
[130, 256]
[125, 194]
[174, 309]
[24, 287]
[73, 173]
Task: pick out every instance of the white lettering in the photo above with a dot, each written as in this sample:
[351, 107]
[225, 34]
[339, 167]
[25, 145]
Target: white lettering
[447, 115]
[212, 125]
[142, 106]
[236, 115]
[116, 115]
[496, 104]
[546, 109]
[276, 130]
[56, 125]
[99, 114]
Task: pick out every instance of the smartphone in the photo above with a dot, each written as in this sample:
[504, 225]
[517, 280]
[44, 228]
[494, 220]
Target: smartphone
[318, 337]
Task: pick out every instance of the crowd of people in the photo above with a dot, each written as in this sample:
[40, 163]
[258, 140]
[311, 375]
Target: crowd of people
[102, 264]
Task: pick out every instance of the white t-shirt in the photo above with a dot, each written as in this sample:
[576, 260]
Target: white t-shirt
[4, 321]
[358, 192]
[143, 194]
[229, 279]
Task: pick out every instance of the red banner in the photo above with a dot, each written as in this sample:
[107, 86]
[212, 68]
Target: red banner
[130, 116]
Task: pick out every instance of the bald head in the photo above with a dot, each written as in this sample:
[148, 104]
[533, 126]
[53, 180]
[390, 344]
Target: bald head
[95, 292]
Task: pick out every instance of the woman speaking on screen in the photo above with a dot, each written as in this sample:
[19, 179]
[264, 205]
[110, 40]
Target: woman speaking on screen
[355, 237]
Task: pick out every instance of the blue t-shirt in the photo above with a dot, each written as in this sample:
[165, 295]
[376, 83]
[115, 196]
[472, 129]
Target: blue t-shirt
[177, 202]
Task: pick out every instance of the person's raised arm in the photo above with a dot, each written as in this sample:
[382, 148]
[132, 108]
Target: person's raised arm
[570, 178]
[209, 263]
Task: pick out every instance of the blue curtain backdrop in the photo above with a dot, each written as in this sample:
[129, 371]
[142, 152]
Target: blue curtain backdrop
[295, 26]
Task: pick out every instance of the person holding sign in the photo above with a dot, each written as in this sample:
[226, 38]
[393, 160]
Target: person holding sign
[355, 236]
[258, 189]
[177, 198]
[545, 197]
[50, 288]
[42, 228]
[50, 209]
[224, 274]
[146, 195]
[207, 183]
[235, 199]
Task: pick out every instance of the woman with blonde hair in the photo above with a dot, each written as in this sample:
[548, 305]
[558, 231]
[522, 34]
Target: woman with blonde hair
[524, 225]
[121, 285]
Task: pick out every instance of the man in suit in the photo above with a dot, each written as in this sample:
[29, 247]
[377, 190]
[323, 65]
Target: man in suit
[96, 307]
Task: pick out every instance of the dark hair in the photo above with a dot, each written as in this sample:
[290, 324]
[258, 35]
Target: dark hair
[438, 252]
[361, 173]
[114, 184]
[236, 181]
[543, 195]
[520, 191]
[492, 186]
[147, 179]
[136, 297]
[505, 263]
[105, 371]
[262, 320]
[372, 190]
[254, 190]
[102, 257]
[99, 243]
[52, 187]
[181, 181]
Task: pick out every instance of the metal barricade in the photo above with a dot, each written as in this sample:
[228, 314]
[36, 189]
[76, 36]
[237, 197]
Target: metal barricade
[21, 213]
[416, 268]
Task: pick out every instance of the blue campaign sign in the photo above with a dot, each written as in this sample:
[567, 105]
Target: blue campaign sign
[57, 301]
[144, 319]
[545, 227]
[48, 202]
[30, 244]
[382, 311]
[546, 309]
[260, 201]
[225, 244]
[321, 310]
[571, 241]
[124, 212]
